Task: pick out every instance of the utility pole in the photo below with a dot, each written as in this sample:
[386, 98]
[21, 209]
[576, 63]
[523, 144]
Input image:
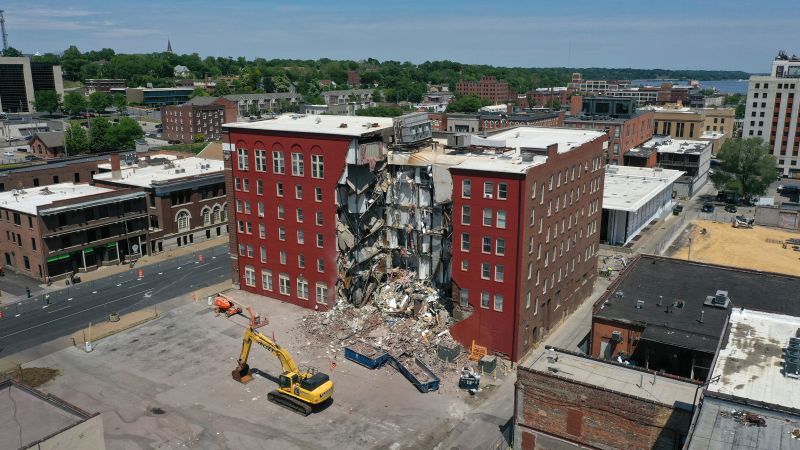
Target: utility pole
[3, 30]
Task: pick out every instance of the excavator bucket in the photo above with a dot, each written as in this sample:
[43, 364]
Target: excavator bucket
[242, 374]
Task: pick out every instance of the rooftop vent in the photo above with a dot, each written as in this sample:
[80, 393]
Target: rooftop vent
[45, 191]
[616, 336]
[639, 304]
[619, 294]
[719, 300]
[342, 125]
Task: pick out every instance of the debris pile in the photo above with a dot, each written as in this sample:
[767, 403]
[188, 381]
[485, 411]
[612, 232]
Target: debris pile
[746, 418]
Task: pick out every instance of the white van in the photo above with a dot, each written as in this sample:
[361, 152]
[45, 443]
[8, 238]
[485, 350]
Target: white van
[9, 153]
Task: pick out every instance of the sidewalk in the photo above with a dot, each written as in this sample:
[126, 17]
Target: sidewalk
[107, 271]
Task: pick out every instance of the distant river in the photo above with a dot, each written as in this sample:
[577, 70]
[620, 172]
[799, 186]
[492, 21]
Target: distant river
[724, 86]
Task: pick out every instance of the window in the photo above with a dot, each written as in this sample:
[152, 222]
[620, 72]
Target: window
[239, 206]
[259, 187]
[500, 247]
[297, 165]
[466, 189]
[282, 257]
[241, 157]
[278, 163]
[320, 240]
[318, 194]
[464, 265]
[247, 209]
[300, 215]
[260, 209]
[298, 192]
[501, 219]
[266, 280]
[463, 297]
[488, 189]
[317, 166]
[487, 244]
[498, 302]
[33, 243]
[301, 261]
[487, 217]
[206, 216]
[301, 237]
[320, 265]
[528, 300]
[465, 214]
[261, 160]
[249, 276]
[302, 288]
[485, 300]
[502, 191]
[281, 212]
[486, 271]
[249, 251]
[464, 242]
[183, 221]
[499, 273]
[285, 288]
[322, 293]
[281, 233]
[318, 215]
[279, 189]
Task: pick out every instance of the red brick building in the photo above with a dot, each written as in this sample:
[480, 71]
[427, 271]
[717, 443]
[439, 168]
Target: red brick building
[78, 169]
[526, 218]
[353, 78]
[626, 126]
[48, 145]
[282, 176]
[544, 97]
[492, 121]
[565, 400]
[489, 88]
[200, 115]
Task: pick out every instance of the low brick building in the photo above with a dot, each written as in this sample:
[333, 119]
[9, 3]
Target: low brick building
[47, 145]
[565, 400]
[79, 169]
[488, 88]
[199, 116]
[185, 197]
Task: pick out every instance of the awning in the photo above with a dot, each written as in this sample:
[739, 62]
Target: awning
[680, 338]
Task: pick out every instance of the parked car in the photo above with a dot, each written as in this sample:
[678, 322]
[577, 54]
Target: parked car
[9, 153]
[30, 158]
[707, 207]
[677, 209]
[730, 208]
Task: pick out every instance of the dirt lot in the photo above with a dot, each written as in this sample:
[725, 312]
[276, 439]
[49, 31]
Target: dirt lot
[167, 384]
[746, 248]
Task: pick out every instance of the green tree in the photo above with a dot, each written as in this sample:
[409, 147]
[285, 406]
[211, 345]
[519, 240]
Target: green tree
[99, 139]
[99, 101]
[198, 137]
[467, 104]
[747, 167]
[199, 92]
[119, 101]
[46, 101]
[222, 88]
[74, 103]
[740, 109]
[11, 52]
[253, 110]
[123, 136]
[554, 104]
[76, 140]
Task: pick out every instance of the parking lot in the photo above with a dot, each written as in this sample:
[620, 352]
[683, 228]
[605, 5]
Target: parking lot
[168, 383]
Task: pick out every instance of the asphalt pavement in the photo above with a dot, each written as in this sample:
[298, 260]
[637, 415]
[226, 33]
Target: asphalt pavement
[43, 318]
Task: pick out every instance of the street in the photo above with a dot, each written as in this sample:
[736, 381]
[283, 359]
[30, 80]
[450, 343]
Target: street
[37, 320]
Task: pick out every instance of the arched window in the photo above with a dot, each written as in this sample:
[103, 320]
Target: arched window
[224, 213]
[216, 214]
[183, 220]
[206, 216]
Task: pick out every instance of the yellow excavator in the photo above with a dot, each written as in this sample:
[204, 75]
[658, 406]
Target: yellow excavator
[301, 392]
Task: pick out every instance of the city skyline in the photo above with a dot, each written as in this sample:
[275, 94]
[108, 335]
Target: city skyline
[506, 35]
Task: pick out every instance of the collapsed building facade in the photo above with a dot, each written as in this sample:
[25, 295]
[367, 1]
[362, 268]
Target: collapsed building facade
[376, 222]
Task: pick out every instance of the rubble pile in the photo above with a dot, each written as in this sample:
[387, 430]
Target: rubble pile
[406, 316]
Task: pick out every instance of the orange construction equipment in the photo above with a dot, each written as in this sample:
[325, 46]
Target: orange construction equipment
[224, 305]
[477, 352]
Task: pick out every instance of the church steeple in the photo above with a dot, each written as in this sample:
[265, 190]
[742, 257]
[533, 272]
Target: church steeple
[169, 46]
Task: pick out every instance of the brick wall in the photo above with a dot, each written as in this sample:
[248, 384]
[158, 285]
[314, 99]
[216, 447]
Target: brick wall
[553, 412]
[76, 172]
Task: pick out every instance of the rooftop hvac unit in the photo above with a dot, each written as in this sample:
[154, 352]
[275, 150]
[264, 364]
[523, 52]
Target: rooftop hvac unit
[639, 304]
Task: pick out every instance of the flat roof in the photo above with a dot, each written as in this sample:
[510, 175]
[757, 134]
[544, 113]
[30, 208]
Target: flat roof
[173, 169]
[721, 425]
[750, 363]
[27, 416]
[616, 377]
[353, 126]
[28, 200]
[652, 279]
[629, 188]
[666, 144]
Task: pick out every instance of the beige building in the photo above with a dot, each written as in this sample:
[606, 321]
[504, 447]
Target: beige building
[714, 125]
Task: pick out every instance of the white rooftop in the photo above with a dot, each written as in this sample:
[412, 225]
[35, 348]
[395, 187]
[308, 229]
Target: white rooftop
[517, 138]
[107, 165]
[173, 170]
[750, 363]
[27, 200]
[319, 124]
[629, 188]
[665, 144]
[618, 378]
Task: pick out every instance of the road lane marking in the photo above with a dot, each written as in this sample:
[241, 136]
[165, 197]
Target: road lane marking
[57, 310]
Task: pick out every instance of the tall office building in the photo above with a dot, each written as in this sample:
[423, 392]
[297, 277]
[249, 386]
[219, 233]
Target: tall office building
[773, 115]
[20, 79]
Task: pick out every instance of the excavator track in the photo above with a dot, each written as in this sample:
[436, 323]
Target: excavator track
[290, 402]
